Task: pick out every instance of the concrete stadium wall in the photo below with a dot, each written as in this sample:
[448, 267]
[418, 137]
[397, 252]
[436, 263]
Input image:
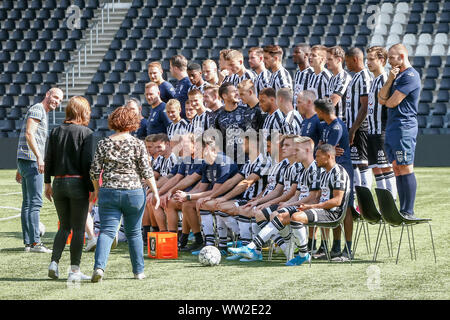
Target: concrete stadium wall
[431, 151]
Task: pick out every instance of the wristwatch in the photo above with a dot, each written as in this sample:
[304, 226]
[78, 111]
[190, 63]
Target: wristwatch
[188, 197]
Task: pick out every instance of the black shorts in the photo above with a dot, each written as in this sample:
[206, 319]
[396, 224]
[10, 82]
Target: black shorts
[358, 151]
[321, 215]
[375, 152]
[291, 210]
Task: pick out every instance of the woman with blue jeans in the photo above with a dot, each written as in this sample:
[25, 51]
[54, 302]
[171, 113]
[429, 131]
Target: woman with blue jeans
[124, 164]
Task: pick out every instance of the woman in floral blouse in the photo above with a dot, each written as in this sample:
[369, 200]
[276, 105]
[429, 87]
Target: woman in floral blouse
[123, 161]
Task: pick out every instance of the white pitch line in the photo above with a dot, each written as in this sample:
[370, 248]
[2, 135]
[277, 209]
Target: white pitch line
[12, 217]
[10, 194]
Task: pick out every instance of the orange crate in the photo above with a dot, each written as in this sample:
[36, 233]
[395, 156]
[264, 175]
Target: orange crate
[162, 245]
[69, 238]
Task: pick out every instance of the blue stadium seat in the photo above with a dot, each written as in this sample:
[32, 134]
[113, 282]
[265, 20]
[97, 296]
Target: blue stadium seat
[7, 125]
[440, 109]
[272, 31]
[426, 96]
[424, 109]
[303, 31]
[250, 11]
[216, 22]
[287, 31]
[334, 31]
[230, 22]
[436, 121]
[99, 77]
[201, 54]
[445, 84]
[435, 62]
[422, 121]
[23, 102]
[237, 43]
[92, 89]
[318, 31]
[307, 21]
[187, 53]
[124, 89]
[51, 78]
[15, 113]
[291, 20]
[21, 78]
[322, 20]
[176, 43]
[429, 84]
[30, 90]
[443, 96]
[432, 73]
[261, 21]
[276, 21]
[330, 41]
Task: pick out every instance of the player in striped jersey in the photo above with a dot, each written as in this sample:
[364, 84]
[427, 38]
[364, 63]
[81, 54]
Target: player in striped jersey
[356, 106]
[256, 62]
[318, 81]
[194, 71]
[273, 58]
[274, 121]
[224, 69]
[300, 57]
[200, 121]
[337, 87]
[209, 72]
[335, 190]
[235, 61]
[293, 119]
[190, 115]
[178, 125]
[377, 117]
[291, 147]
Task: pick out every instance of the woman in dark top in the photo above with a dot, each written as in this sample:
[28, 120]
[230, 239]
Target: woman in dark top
[124, 164]
[68, 158]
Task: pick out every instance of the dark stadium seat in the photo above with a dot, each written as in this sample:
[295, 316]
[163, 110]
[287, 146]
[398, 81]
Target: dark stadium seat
[424, 109]
[15, 114]
[426, 96]
[442, 96]
[429, 84]
[422, 121]
[439, 109]
[7, 125]
[436, 121]
[108, 89]
[445, 84]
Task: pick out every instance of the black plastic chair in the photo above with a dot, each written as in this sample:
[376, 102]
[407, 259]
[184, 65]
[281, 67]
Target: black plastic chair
[394, 218]
[361, 225]
[332, 225]
[371, 215]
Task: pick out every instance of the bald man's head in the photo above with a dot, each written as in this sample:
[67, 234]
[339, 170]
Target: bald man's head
[53, 99]
[398, 56]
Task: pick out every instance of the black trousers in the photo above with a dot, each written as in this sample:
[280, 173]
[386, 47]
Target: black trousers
[71, 198]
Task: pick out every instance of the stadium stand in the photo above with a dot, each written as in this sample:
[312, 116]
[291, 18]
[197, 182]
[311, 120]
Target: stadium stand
[36, 46]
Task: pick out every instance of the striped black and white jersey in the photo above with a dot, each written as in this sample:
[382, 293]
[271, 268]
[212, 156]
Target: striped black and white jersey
[293, 123]
[199, 124]
[261, 167]
[301, 79]
[319, 83]
[167, 165]
[262, 81]
[276, 173]
[235, 79]
[179, 128]
[335, 179]
[338, 84]
[157, 163]
[377, 113]
[280, 79]
[273, 122]
[358, 87]
[200, 87]
[290, 176]
[309, 180]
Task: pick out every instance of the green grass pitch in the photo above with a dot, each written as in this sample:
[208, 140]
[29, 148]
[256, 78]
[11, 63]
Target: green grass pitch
[24, 275]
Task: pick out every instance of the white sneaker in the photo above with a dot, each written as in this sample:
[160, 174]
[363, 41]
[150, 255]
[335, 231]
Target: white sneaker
[140, 276]
[53, 271]
[27, 248]
[77, 276]
[97, 276]
[40, 248]
[91, 245]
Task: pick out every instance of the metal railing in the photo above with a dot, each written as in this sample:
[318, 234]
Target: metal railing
[69, 71]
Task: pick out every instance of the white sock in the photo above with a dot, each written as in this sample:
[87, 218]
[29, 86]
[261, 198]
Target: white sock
[255, 228]
[299, 232]
[366, 177]
[391, 183]
[245, 230]
[270, 230]
[379, 179]
[232, 224]
[222, 232]
[207, 221]
[356, 177]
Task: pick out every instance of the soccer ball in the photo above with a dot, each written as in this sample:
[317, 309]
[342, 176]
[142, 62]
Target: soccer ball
[41, 229]
[209, 256]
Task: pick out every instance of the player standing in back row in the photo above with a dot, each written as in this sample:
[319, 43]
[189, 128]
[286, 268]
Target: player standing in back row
[400, 94]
